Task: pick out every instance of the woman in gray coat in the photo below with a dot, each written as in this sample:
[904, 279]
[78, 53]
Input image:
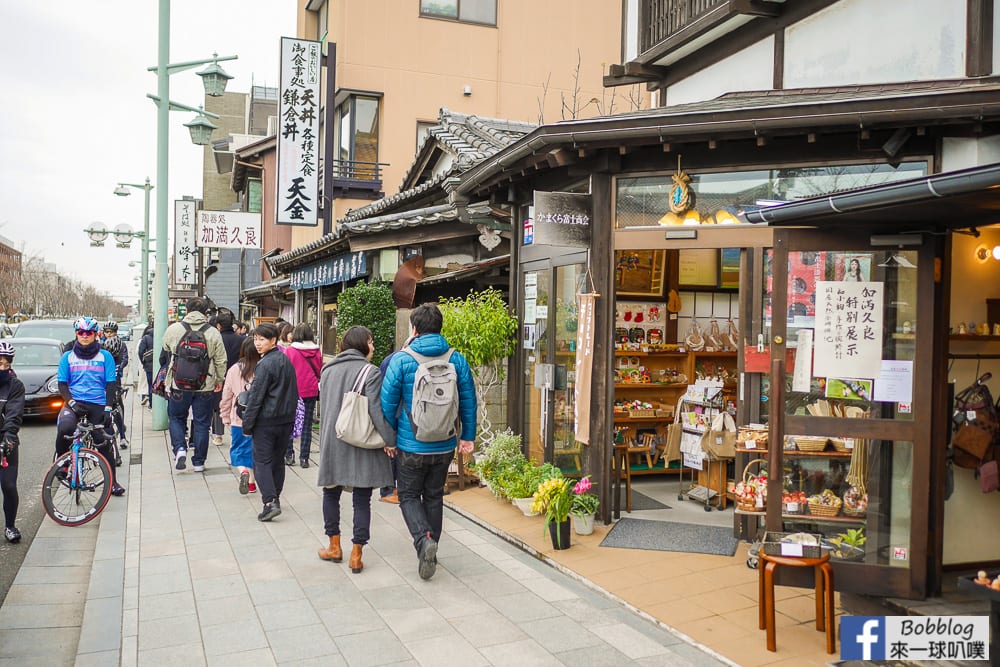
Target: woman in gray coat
[341, 464]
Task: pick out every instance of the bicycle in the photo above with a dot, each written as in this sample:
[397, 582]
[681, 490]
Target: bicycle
[117, 413]
[78, 485]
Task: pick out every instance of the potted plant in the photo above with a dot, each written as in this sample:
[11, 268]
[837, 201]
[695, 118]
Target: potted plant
[554, 498]
[849, 545]
[584, 507]
[496, 458]
[524, 481]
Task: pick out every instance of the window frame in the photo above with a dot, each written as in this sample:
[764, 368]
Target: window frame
[458, 13]
[350, 101]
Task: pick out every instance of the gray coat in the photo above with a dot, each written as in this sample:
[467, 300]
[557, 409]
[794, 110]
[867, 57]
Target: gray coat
[341, 464]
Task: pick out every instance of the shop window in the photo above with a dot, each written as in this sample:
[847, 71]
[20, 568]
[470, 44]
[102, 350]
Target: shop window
[483, 12]
[357, 138]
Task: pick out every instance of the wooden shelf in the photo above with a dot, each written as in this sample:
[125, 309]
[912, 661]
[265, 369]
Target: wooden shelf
[649, 385]
[642, 420]
[972, 337]
[812, 518]
[794, 453]
[625, 353]
[729, 355]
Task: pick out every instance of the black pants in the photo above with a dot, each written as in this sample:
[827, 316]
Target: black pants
[362, 501]
[269, 442]
[218, 428]
[66, 424]
[420, 482]
[119, 416]
[8, 485]
[305, 443]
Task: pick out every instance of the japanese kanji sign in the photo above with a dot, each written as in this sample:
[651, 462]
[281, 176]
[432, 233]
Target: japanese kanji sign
[227, 229]
[297, 196]
[185, 250]
[561, 218]
[338, 269]
[848, 341]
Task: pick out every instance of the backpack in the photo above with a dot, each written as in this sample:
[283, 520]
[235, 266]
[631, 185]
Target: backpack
[434, 406]
[191, 360]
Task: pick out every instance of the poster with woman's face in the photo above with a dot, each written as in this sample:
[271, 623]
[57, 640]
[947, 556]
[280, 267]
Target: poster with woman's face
[854, 267]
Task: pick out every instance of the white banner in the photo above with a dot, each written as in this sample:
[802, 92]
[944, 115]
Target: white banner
[228, 229]
[297, 196]
[848, 339]
[185, 270]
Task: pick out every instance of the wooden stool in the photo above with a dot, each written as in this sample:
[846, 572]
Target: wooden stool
[825, 613]
[622, 470]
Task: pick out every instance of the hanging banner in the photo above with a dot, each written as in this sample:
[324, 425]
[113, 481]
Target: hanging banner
[584, 366]
[297, 196]
[848, 339]
[562, 218]
[185, 258]
[338, 269]
[228, 229]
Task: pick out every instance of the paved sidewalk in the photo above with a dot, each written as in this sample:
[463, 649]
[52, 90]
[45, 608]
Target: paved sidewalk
[181, 572]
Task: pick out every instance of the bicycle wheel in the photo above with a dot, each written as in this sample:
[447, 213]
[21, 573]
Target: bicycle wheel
[69, 506]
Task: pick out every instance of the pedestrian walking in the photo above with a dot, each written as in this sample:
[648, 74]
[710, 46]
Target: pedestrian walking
[285, 330]
[388, 493]
[434, 385]
[196, 359]
[269, 417]
[307, 359]
[146, 355]
[232, 342]
[238, 380]
[342, 464]
[11, 415]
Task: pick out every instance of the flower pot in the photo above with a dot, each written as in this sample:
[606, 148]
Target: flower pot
[559, 532]
[524, 504]
[583, 525]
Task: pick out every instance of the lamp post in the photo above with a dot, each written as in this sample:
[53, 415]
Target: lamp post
[214, 80]
[123, 234]
[123, 191]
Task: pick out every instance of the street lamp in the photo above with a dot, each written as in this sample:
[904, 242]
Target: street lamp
[215, 87]
[201, 128]
[122, 190]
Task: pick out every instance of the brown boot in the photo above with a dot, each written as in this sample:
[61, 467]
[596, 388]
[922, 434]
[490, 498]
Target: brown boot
[332, 552]
[355, 562]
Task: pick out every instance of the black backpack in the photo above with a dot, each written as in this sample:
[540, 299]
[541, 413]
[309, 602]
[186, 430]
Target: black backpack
[191, 360]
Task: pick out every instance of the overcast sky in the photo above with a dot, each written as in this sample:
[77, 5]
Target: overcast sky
[75, 120]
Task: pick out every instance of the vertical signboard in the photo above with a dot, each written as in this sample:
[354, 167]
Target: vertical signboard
[562, 218]
[228, 229]
[297, 196]
[584, 366]
[185, 271]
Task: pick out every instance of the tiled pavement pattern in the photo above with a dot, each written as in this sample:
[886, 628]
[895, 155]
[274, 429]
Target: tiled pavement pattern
[181, 572]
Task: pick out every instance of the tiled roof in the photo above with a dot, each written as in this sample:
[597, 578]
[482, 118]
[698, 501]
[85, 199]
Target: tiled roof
[392, 201]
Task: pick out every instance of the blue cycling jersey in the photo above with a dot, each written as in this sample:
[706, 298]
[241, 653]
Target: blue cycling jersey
[87, 378]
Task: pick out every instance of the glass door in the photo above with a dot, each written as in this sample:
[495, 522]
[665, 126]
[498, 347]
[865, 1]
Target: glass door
[566, 451]
[535, 289]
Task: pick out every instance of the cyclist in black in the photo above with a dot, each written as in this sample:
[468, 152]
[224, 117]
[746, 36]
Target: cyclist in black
[11, 414]
[113, 344]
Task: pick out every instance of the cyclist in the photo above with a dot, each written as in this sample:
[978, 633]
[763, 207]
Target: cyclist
[113, 344]
[11, 414]
[88, 382]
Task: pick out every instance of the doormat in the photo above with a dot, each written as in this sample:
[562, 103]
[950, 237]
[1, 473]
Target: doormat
[671, 536]
[641, 501]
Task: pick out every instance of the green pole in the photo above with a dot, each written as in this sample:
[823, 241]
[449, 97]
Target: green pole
[162, 145]
[144, 287]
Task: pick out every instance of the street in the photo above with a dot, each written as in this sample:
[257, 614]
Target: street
[37, 445]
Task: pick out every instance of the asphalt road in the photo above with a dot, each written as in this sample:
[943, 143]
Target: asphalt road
[37, 446]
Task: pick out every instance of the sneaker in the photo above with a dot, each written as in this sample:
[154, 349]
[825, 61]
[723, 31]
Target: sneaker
[252, 488]
[304, 463]
[198, 468]
[271, 510]
[123, 443]
[290, 460]
[117, 490]
[180, 459]
[391, 498]
[428, 557]
[244, 483]
[216, 439]
[12, 534]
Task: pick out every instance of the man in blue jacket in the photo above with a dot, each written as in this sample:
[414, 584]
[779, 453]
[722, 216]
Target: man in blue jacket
[423, 465]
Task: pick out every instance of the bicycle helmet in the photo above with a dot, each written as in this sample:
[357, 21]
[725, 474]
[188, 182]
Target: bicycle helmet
[113, 345]
[86, 324]
[111, 326]
[6, 350]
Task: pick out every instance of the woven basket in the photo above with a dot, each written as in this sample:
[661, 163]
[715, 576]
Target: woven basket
[748, 508]
[801, 508]
[853, 512]
[839, 444]
[642, 413]
[817, 509]
[809, 443]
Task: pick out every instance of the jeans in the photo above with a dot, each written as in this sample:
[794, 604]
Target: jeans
[420, 482]
[362, 501]
[389, 490]
[149, 384]
[199, 403]
[268, 458]
[307, 433]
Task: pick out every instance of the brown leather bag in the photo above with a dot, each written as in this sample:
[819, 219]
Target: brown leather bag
[976, 425]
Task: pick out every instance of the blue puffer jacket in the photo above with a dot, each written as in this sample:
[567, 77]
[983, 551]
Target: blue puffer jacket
[398, 385]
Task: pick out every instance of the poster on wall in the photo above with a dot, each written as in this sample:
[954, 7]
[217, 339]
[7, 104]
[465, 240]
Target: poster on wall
[297, 181]
[848, 338]
[185, 270]
[562, 218]
[584, 366]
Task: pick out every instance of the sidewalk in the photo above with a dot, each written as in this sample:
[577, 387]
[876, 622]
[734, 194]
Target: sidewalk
[181, 572]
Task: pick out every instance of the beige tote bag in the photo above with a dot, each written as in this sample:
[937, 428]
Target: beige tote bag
[354, 425]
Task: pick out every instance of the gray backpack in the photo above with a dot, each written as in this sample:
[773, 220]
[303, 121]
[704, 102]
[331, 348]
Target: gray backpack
[434, 411]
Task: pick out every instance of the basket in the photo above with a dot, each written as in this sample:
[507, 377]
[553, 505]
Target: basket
[809, 443]
[852, 512]
[817, 509]
[642, 413]
[793, 508]
[773, 546]
[760, 438]
[748, 508]
[839, 444]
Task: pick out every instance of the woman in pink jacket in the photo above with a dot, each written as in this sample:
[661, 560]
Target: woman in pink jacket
[238, 379]
[307, 359]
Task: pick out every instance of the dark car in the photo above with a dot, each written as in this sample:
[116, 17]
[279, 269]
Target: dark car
[36, 361]
[61, 330]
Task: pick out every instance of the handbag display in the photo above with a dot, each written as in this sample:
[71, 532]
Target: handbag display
[975, 423]
[354, 425]
[719, 442]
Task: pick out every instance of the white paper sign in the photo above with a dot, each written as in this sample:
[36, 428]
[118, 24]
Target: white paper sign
[788, 549]
[802, 375]
[541, 313]
[228, 229]
[530, 279]
[185, 251]
[297, 181]
[530, 314]
[848, 339]
[895, 382]
[530, 291]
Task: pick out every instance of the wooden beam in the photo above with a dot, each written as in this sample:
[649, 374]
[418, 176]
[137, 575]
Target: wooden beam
[979, 38]
[755, 7]
[649, 72]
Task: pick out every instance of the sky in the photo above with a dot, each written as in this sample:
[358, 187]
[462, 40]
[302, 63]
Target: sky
[75, 120]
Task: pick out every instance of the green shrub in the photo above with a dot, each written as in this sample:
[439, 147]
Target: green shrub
[369, 305]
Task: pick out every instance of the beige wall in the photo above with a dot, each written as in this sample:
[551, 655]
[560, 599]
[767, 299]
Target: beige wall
[217, 191]
[969, 510]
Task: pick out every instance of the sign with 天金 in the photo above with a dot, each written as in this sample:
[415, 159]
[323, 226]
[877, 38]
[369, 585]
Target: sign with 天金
[848, 340]
[562, 218]
[297, 196]
[228, 229]
[185, 270]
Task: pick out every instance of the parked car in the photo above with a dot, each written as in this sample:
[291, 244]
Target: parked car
[125, 330]
[36, 361]
[61, 330]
